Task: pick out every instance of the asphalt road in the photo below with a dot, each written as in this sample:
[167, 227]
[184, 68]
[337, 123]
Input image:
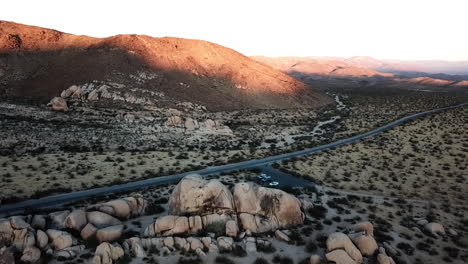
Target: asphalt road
[68, 197]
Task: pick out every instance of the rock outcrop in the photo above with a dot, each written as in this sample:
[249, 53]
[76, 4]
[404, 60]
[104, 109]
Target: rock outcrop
[194, 195]
[262, 209]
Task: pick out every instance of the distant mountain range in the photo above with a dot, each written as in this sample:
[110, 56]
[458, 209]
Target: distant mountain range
[366, 71]
[38, 63]
[410, 67]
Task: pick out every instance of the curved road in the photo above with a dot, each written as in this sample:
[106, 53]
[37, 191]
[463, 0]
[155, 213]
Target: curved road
[68, 197]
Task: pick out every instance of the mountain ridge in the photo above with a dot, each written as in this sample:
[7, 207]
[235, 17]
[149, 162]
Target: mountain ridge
[47, 61]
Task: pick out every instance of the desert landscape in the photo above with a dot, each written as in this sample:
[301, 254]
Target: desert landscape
[129, 148]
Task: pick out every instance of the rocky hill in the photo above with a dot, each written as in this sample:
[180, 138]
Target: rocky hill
[38, 63]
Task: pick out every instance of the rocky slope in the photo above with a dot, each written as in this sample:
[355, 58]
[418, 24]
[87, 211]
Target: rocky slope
[38, 63]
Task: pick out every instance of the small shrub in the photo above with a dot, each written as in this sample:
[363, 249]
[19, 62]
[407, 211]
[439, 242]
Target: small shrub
[219, 228]
[266, 249]
[310, 247]
[154, 208]
[261, 261]
[223, 260]
[183, 260]
[238, 251]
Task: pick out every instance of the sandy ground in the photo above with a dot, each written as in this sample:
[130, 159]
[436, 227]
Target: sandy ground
[48, 173]
[425, 159]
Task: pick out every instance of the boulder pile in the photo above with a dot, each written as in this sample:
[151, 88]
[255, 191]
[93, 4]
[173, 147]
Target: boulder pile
[54, 234]
[359, 243]
[196, 204]
[95, 91]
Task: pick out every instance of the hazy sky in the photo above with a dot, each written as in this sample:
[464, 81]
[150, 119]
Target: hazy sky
[397, 29]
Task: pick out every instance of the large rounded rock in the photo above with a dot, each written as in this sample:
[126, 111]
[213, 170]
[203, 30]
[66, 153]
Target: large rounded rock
[23, 238]
[340, 256]
[31, 255]
[366, 244]
[88, 231]
[106, 253]
[76, 220]
[435, 228]
[341, 241]
[60, 239]
[6, 230]
[69, 253]
[39, 222]
[231, 228]
[41, 239]
[57, 219]
[278, 207]
[7, 255]
[194, 243]
[17, 222]
[109, 234]
[168, 225]
[384, 259]
[194, 195]
[315, 259]
[101, 220]
[58, 104]
[118, 208]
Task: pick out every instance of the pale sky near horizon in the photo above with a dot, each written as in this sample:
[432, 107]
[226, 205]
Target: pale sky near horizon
[398, 29]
